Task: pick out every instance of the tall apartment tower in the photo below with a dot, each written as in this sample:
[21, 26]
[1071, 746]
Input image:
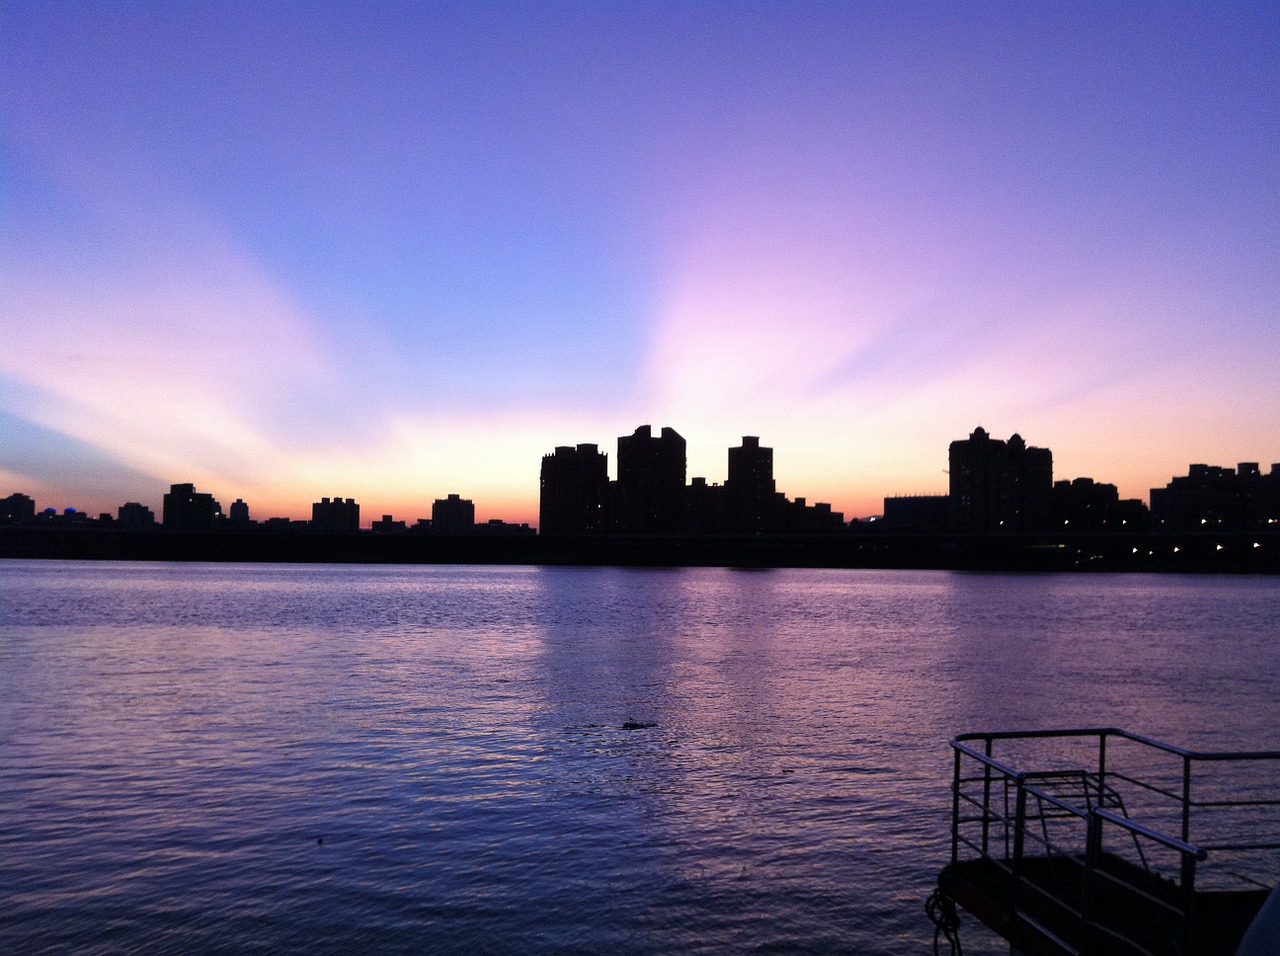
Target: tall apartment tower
[453, 515]
[573, 490]
[1000, 487]
[335, 517]
[750, 488]
[651, 482]
[186, 509]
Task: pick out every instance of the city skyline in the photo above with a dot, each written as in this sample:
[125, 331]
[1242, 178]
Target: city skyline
[285, 251]
[658, 472]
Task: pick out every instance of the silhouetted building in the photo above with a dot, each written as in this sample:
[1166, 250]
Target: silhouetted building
[800, 517]
[238, 513]
[17, 508]
[1210, 498]
[388, 525]
[707, 508]
[453, 515]
[496, 527]
[335, 517]
[186, 509]
[133, 516]
[1000, 487]
[1083, 504]
[750, 489]
[651, 482]
[68, 516]
[920, 513]
[573, 489]
[285, 526]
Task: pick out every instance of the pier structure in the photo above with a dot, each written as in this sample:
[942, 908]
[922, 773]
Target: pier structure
[1098, 841]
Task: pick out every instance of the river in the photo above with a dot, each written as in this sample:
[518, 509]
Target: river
[321, 759]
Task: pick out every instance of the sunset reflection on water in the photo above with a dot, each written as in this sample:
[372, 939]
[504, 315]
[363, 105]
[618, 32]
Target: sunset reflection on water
[552, 760]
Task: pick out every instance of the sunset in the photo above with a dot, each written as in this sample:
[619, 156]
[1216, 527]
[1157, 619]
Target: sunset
[640, 478]
[396, 251]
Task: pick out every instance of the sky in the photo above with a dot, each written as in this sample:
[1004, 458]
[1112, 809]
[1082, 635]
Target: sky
[394, 251]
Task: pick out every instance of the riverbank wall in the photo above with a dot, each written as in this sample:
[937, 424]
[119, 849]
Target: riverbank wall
[1200, 553]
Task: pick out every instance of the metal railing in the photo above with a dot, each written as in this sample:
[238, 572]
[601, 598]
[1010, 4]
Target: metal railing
[1081, 866]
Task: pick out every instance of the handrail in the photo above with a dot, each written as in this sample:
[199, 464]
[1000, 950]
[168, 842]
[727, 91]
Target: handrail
[1042, 825]
[1211, 755]
[1058, 802]
[1180, 795]
[1004, 768]
[1173, 843]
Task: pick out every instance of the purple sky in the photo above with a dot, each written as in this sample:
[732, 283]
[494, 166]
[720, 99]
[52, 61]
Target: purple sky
[393, 251]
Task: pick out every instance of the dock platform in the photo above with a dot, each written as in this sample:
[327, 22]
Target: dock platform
[1098, 841]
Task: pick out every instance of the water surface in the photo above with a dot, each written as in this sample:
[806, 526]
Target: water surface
[232, 758]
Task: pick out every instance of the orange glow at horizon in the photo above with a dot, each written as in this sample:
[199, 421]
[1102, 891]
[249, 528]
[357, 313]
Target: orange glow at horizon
[856, 265]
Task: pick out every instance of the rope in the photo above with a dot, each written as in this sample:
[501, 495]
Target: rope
[941, 910]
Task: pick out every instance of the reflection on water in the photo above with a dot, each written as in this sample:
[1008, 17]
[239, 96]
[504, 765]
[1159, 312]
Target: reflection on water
[552, 760]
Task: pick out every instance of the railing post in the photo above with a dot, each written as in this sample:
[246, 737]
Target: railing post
[955, 812]
[1188, 861]
[986, 803]
[1019, 828]
[1092, 854]
[1188, 899]
[1102, 766]
[1186, 799]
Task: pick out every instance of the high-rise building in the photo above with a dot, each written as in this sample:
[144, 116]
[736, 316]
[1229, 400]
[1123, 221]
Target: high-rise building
[134, 516]
[335, 517]
[707, 507]
[1000, 487]
[651, 482]
[453, 515]
[573, 491]
[750, 491]
[17, 508]
[186, 509]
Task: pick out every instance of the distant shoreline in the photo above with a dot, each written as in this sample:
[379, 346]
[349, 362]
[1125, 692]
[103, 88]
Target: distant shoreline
[1150, 552]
